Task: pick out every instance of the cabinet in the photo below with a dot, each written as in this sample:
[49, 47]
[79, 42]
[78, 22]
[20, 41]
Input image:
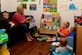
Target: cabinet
[79, 40]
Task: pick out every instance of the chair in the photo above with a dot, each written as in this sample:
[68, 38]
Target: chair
[70, 40]
[62, 53]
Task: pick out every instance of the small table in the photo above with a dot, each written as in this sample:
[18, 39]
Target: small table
[47, 32]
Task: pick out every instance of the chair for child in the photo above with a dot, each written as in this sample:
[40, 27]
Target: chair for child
[62, 53]
[70, 40]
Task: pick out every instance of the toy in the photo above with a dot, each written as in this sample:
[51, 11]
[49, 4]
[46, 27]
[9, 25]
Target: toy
[43, 38]
[3, 36]
[78, 20]
[3, 43]
[35, 33]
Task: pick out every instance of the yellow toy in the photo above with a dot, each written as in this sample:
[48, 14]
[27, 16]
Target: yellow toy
[4, 50]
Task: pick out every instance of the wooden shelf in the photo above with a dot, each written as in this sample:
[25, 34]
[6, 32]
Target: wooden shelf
[49, 32]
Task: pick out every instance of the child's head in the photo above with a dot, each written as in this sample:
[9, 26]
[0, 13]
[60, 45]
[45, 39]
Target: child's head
[63, 41]
[5, 15]
[65, 24]
[73, 29]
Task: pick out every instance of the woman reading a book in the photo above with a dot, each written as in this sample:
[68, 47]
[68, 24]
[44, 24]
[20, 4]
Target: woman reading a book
[19, 19]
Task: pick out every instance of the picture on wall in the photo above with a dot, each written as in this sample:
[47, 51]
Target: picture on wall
[33, 7]
[49, 5]
[53, 8]
[46, 8]
[24, 5]
[22, 0]
[25, 0]
[72, 6]
[33, 0]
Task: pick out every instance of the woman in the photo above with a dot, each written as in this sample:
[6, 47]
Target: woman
[19, 19]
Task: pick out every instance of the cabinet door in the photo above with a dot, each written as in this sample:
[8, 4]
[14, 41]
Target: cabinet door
[79, 41]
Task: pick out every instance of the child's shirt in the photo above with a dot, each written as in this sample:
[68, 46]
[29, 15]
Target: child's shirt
[64, 31]
[63, 49]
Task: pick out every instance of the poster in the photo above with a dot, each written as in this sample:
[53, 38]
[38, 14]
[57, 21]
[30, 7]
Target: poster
[63, 7]
[72, 6]
[49, 5]
[33, 7]
[22, 0]
[33, 0]
[53, 8]
[24, 5]
[46, 8]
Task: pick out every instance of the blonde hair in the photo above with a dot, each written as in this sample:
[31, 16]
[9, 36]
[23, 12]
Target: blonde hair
[19, 8]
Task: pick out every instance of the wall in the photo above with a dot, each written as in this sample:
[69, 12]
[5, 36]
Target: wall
[10, 5]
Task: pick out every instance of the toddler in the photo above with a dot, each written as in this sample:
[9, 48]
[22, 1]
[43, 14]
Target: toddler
[63, 47]
[5, 17]
[63, 31]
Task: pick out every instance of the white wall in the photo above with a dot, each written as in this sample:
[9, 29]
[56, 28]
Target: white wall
[10, 6]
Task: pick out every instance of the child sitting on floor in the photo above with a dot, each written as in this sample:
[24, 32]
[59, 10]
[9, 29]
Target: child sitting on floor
[63, 47]
[62, 32]
[72, 31]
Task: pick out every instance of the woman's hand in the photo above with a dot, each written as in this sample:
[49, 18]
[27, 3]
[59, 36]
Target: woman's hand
[28, 18]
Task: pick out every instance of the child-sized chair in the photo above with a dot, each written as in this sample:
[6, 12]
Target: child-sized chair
[70, 40]
[62, 53]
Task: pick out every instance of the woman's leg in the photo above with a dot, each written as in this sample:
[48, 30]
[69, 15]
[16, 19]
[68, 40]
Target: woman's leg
[26, 31]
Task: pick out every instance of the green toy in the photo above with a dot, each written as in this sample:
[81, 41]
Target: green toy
[3, 36]
[42, 39]
[35, 33]
[56, 23]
